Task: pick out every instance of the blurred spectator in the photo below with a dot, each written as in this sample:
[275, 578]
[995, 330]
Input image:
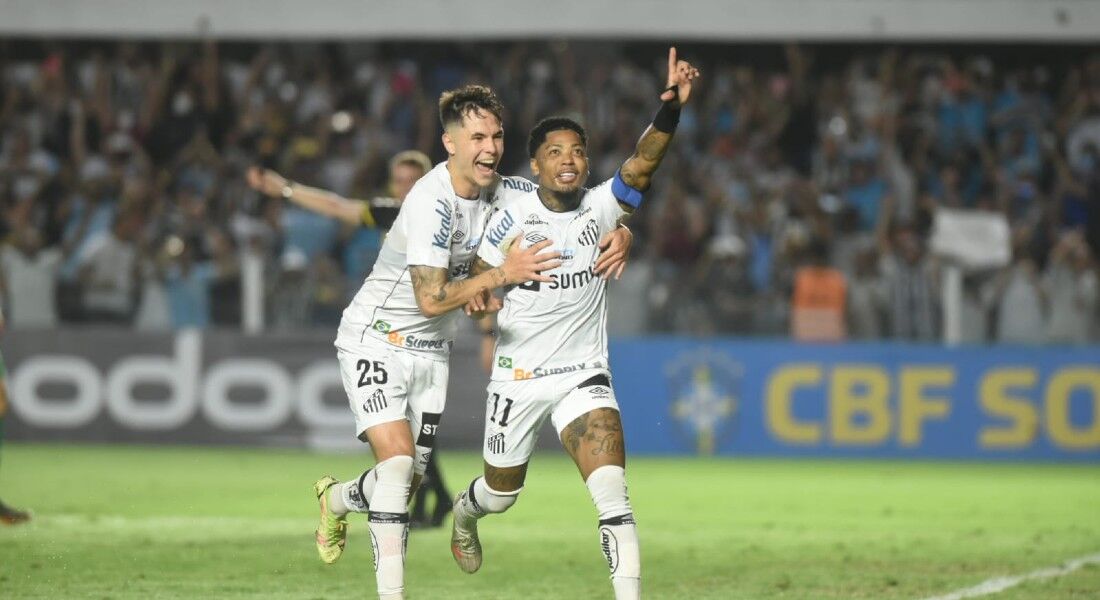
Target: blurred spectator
[724, 278]
[912, 289]
[628, 304]
[785, 145]
[1018, 298]
[28, 278]
[109, 271]
[188, 278]
[1070, 284]
[819, 301]
[865, 297]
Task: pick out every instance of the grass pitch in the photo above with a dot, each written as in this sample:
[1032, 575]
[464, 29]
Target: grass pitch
[156, 522]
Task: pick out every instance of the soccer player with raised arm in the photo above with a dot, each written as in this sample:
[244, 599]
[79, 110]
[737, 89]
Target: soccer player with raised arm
[551, 355]
[405, 169]
[395, 337]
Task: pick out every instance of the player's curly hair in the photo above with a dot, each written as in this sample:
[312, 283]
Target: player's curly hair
[455, 104]
[549, 124]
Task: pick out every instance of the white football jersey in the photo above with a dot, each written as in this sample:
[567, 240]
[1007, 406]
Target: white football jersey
[436, 228]
[560, 326]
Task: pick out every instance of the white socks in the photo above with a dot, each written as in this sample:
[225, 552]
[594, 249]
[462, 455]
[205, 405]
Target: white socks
[353, 495]
[480, 500]
[389, 522]
[618, 533]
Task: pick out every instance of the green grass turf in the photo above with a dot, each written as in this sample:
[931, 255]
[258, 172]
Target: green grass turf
[158, 522]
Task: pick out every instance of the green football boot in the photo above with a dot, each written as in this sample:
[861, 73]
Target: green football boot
[332, 532]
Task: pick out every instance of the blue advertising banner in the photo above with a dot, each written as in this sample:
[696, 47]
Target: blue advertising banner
[858, 400]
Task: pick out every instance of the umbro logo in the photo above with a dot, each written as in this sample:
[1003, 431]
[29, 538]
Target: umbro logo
[535, 238]
[376, 402]
[599, 390]
[591, 233]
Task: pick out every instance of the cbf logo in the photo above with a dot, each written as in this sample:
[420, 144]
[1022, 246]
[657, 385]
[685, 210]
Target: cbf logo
[705, 386]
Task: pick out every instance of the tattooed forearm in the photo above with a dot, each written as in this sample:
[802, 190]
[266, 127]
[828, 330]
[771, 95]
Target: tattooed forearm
[429, 283]
[495, 273]
[651, 149]
[436, 294]
[653, 145]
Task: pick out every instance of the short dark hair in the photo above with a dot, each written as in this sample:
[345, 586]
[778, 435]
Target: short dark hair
[457, 103]
[549, 124]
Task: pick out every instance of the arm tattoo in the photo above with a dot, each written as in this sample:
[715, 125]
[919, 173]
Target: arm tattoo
[429, 281]
[653, 145]
[480, 266]
[651, 148]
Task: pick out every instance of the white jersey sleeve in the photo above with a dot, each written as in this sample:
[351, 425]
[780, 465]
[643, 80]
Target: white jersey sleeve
[429, 227]
[500, 231]
[606, 205]
[503, 226]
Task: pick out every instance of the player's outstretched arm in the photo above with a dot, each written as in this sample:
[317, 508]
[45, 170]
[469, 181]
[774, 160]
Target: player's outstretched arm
[270, 183]
[437, 294]
[639, 168]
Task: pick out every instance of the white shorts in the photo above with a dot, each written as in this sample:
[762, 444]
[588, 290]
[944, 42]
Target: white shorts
[516, 410]
[387, 384]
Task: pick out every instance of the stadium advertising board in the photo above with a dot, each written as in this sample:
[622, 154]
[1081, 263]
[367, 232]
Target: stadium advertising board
[752, 398]
[192, 387]
[865, 400]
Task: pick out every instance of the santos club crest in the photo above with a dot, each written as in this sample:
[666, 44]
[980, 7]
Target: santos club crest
[704, 387]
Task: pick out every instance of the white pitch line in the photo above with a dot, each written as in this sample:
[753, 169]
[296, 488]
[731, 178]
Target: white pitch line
[999, 584]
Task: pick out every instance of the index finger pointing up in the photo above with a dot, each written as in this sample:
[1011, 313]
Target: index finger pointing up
[672, 60]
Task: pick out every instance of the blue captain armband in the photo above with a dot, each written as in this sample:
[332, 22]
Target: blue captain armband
[623, 192]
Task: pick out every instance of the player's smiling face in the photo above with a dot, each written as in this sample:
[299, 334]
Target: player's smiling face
[475, 147]
[561, 162]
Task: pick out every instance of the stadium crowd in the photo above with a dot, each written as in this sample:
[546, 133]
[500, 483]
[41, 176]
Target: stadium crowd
[797, 199]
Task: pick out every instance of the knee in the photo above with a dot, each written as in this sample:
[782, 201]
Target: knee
[490, 500]
[607, 485]
[395, 470]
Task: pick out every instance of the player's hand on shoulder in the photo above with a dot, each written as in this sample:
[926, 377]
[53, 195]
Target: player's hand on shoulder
[614, 252]
[681, 74]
